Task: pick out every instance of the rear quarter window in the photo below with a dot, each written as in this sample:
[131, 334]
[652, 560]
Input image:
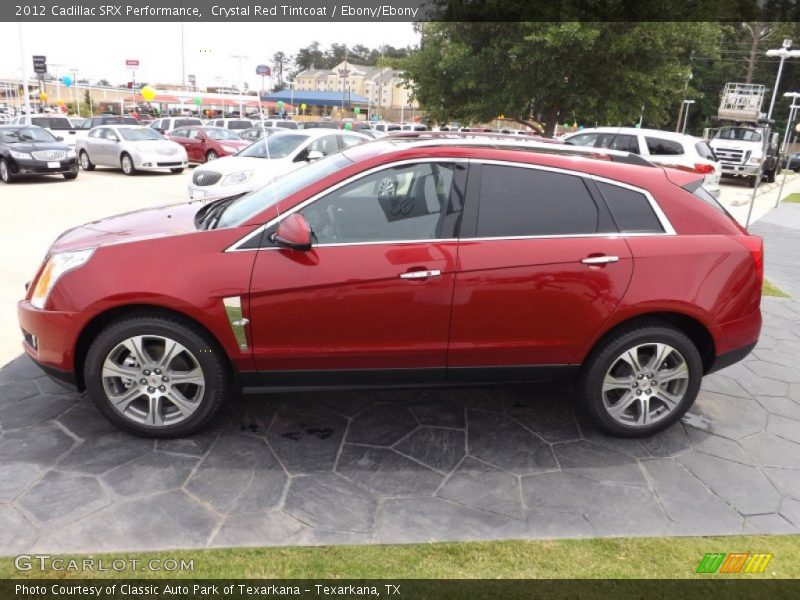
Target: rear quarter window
[631, 209]
[663, 147]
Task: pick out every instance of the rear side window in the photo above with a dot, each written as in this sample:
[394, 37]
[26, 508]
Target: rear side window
[625, 143]
[705, 151]
[631, 210]
[662, 147]
[516, 201]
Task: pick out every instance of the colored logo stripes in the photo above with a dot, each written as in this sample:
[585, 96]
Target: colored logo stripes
[735, 562]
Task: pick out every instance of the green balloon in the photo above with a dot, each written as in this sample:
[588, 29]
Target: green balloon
[357, 110]
[280, 104]
[348, 126]
[198, 101]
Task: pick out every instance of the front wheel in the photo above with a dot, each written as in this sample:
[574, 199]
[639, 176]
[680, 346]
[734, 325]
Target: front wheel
[156, 376]
[770, 176]
[211, 155]
[5, 171]
[640, 380]
[86, 164]
[126, 162]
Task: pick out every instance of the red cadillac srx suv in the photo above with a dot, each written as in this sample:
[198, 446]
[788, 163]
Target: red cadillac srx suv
[407, 262]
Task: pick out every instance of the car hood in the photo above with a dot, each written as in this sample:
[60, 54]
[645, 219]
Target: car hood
[37, 146]
[134, 226]
[231, 164]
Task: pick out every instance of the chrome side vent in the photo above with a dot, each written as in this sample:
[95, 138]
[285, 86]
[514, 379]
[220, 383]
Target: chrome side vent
[233, 308]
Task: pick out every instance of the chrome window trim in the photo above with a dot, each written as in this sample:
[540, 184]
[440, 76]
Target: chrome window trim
[662, 218]
[258, 230]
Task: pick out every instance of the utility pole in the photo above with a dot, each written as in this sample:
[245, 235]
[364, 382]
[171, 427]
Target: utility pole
[24, 69]
[241, 57]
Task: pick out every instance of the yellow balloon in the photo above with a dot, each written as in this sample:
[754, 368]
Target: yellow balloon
[148, 93]
[43, 97]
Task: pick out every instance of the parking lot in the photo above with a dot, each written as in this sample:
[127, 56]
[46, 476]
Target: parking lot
[366, 467]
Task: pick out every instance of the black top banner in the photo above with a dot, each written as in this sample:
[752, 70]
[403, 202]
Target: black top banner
[398, 10]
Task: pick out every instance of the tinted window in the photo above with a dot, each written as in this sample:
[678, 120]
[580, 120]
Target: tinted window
[703, 194]
[515, 201]
[184, 122]
[631, 210]
[662, 147]
[402, 203]
[178, 133]
[60, 123]
[623, 143]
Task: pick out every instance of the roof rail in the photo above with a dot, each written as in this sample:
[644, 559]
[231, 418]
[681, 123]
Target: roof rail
[516, 142]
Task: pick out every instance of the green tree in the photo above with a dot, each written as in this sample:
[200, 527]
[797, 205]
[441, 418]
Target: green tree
[551, 72]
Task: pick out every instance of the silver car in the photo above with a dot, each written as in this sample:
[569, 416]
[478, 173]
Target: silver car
[130, 147]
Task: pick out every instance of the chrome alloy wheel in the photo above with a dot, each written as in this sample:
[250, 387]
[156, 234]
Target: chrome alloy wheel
[85, 161]
[645, 384]
[127, 165]
[153, 380]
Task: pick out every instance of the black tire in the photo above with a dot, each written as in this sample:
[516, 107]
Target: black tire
[5, 171]
[609, 350]
[126, 163]
[770, 176]
[176, 171]
[207, 353]
[211, 155]
[70, 176]
[85, 162]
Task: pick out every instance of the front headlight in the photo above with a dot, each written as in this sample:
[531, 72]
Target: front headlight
[237, 177]
[21, 155]
[71, 154]
[756, 160]
[56, 266]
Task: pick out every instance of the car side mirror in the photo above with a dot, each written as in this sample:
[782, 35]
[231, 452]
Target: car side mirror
[314, 155]
[59, 138]
[293, 233]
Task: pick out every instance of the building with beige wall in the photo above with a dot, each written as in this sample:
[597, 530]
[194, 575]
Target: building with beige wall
[384, 88]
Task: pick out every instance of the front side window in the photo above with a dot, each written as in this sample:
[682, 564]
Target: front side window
[181, 133]
[521, 202]
[662, 147]
[621, 142]
[630, 209]
[220, 134]
[408, 202]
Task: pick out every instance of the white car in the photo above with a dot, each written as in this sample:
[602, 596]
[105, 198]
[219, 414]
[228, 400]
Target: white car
[664, 148]
[60, 127]
[235, 124]
[266, 159]
[277, 124]
[131, 148]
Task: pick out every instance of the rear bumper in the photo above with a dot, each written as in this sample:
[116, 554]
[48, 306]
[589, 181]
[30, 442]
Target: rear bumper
[743, 170]
[729, 358]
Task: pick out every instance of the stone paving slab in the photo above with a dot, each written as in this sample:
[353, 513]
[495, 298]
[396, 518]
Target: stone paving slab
[409, 466]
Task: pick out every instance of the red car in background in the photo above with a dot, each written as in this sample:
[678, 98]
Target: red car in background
[407, 262]
[207, 143]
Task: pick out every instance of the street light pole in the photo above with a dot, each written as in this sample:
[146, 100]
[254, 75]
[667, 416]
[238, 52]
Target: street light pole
[783, 53]
[77, 90]
[688, 104]
[241, 57]
[24, 69]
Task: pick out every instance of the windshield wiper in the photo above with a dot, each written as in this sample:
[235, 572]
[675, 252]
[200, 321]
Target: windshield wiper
[209, 216]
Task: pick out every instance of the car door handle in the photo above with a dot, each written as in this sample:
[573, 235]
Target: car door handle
[599, 260]
[420, 274]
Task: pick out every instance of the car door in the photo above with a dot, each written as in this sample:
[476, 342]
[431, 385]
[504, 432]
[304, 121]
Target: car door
[371, 299]
[541, 268]
[194, 142]
[97, 145]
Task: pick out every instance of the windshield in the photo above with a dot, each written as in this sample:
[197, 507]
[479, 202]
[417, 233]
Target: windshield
[140, 134]
[277, 146]
[185, 122]
[253, 203]
[26, 134]
[217, 133]
[742, 134]
[52, 122]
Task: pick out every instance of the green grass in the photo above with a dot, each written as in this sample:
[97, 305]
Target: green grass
[770, 289]
[793, 198]
[586, 558]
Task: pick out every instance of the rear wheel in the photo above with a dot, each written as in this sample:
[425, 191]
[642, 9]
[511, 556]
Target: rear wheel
[126, 162]
[770, 176]
[86, 164]
[156, 376]
[5, 171]
[641, 380]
